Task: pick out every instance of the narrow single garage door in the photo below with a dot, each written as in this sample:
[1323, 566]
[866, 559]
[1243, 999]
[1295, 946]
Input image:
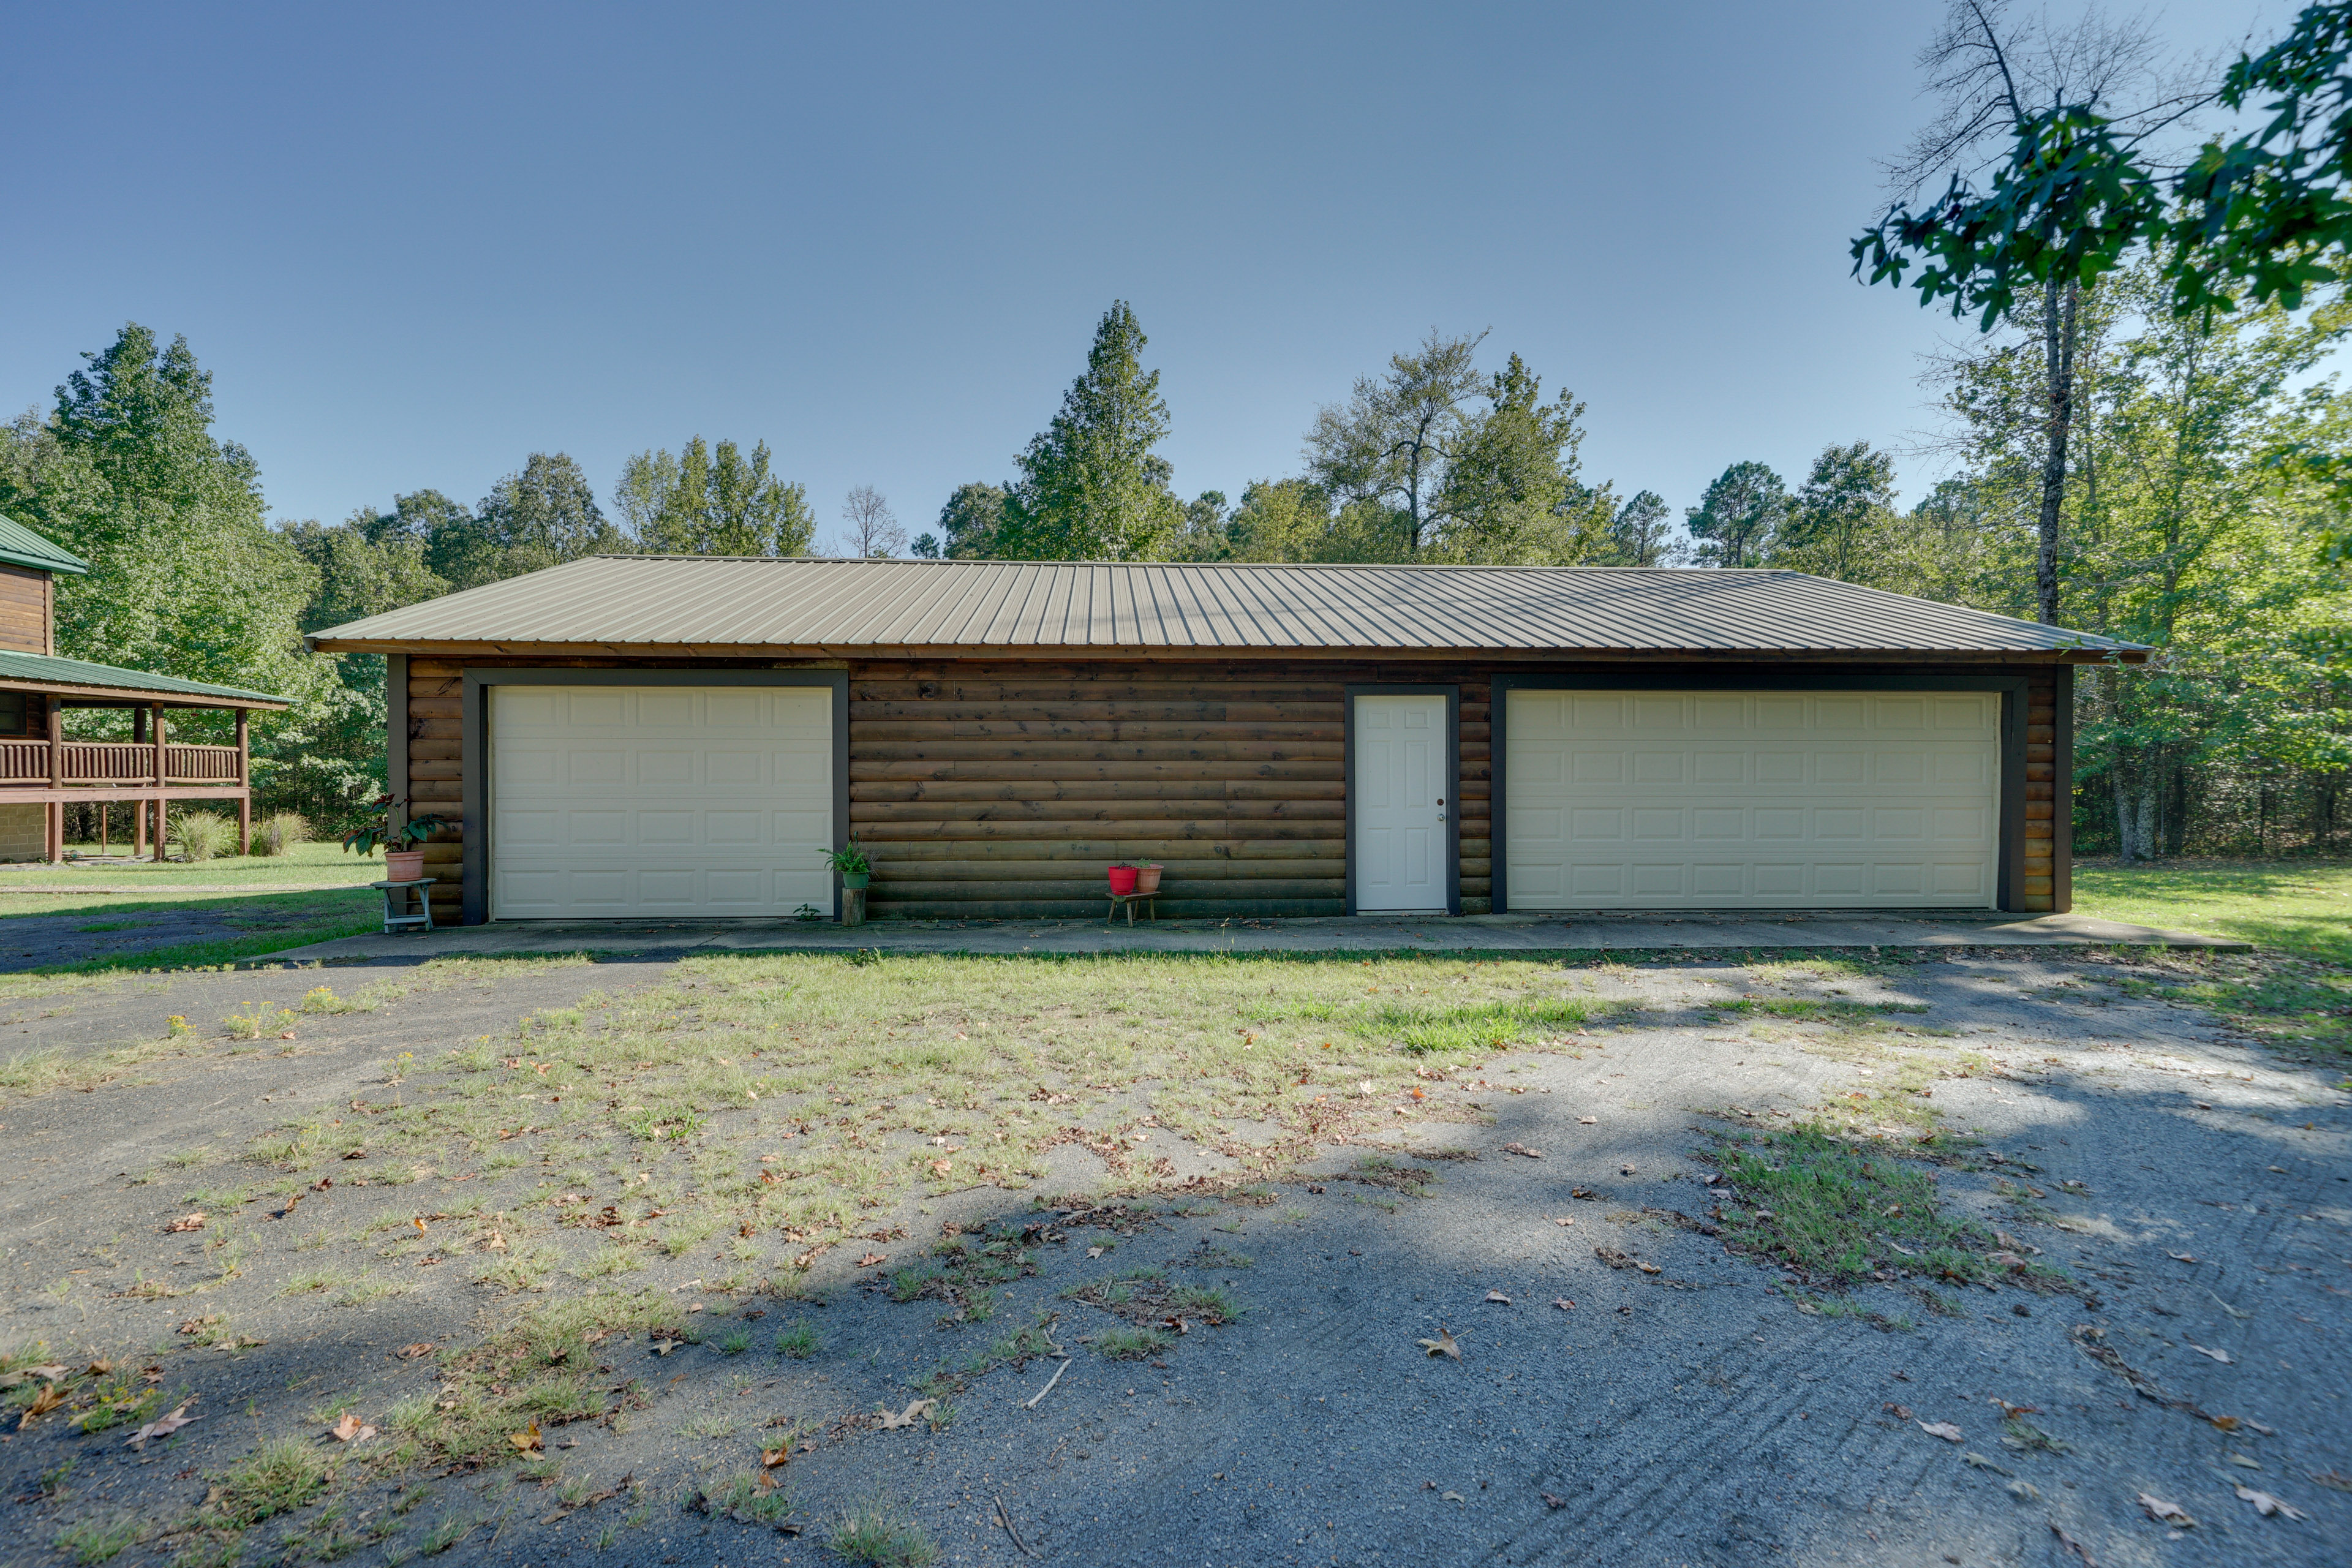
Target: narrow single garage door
[659, 800]
[1757, 800]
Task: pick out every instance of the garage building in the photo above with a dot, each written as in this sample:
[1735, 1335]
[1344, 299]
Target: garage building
[646, 737]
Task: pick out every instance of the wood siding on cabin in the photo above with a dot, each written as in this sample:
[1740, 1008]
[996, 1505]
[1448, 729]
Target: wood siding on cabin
[993, 790]
[24, 610]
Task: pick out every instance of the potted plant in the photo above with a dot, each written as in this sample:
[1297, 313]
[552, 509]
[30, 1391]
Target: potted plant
[1122, 880]
[856, 870]
[1147, 876]
[403, 856]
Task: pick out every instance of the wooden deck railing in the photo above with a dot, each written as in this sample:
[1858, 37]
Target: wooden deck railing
[120, 763]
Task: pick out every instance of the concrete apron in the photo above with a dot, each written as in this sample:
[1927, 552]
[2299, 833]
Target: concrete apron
[1691, 931]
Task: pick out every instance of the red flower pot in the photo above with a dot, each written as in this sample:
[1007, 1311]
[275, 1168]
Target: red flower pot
[1122, 880]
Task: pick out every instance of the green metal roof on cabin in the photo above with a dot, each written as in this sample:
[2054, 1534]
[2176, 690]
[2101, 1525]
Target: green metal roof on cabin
[20, 546]
[47, 671]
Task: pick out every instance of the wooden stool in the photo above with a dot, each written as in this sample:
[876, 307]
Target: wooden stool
[1150, 900]
[393, 920]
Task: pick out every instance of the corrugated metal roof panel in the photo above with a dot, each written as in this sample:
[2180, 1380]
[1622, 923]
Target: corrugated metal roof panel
[622, 602]
[44, 670]
[20, 546]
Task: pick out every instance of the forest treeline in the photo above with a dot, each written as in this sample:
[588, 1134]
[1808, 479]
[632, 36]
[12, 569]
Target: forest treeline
[2180, 529]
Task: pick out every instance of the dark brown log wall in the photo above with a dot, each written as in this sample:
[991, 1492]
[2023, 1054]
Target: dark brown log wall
[24, 610]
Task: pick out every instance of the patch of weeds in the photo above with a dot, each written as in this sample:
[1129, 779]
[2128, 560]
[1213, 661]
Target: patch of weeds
[365, 1288]
[1380, 1171]
[277, 1478]
[1811, 1010]
[323, 999]
[709, 1423]
[1131, 1343]
[453, 1529]
[315, 1281]
[797, 1340]
[882, 1538]
[965, 1274]
[261, 1021]
[1837, 1213]
[1424, 1031]
[97, 1540]
[1145, 1296]
[1015, 1350]
[1207, 1256]
[734, 1342]
[525, 1269]
[1840, 1307]
[747, 1498]
[2023, 1436]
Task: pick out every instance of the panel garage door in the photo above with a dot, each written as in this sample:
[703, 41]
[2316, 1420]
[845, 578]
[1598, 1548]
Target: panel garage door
[1757, 800]
[659, 800]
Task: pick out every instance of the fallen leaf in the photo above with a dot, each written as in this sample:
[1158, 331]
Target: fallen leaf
[2072, 1545]
[771, 1457]
[2165, 1513]
[2182, 1257]
[2267, 1505]
[916, 1410]
[663, 1347]
[1647, 1267]
[871, 1259]
[525, 1441]
[1443, 1344]
[1564, 1219]
[1564, 1304]
[1452, 1497]
[2024, 1492]
[2226, 1423]
[410, 1353]
[25, 1374]
[2224, 1357]
[1900, 1412]
[161, 1426]
[2244, 1463]
[1497, 1296]
[1944, 1430]
[48, 1398]
[1093, 1252]
[1522, 1148]
[419, 1224]
[349, 1430]
[1624, 1170]
[1977, 1461]
[1552, 1502]
[186, 1222]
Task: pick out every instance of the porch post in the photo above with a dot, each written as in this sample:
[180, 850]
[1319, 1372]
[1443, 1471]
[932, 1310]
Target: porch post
[161, 821]
[138, 807]
[243, 783]
[56, 812]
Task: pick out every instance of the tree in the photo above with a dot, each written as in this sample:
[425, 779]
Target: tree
[1393, 443]
[544, 516]
[2089, 98]
[1511, 494]
[1090, 486]
[1737, 520]
[364, 567]
[969, 520]
[712, 501]
[1837, 519]
[1641, 534]
[872, 527]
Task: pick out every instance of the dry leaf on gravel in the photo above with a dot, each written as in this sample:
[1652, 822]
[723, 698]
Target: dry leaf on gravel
[2267, 1505]
[1590, 1120]
[1944, 1430]
[410, 1353]
[1522, 1148]
[1443, 1344]
[161, 1426]
[1452, 1497]
[186, 1222]
[2224, 1357]
[771, 1457]
[1564, 1304]
[2072, 1545]
[1552, 1502]
[1977, 1461]
[349, 1430]
[1900, 1412]
[1563, 1219]
[50, 1397]
[2244, 1463]
[2163, 1513]
[916, 1410]
[871, 1259]
[2182, 1257]
[25, 1374]
[527, 1440]
[1497, 1296]
[2023, 1491]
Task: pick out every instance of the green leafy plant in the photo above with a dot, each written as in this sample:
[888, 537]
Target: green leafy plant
[850, 861]
[375, 831]
[279, 833]
[204, 835]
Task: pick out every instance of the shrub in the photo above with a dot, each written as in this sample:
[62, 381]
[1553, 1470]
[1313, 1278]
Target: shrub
[278, 832]
[204, 835]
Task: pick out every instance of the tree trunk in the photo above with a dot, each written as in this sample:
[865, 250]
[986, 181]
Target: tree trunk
[2135, 800]
[2058, 323]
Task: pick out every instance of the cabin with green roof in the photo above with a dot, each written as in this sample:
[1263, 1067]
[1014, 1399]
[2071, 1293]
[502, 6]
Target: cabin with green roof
[42, 771]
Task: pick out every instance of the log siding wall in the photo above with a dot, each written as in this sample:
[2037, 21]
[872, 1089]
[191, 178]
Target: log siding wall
[25, 611]
[1000, 789]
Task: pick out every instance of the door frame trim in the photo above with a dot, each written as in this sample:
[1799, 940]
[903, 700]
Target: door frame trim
[1452, 775]
[474, 748]
[2009, 795]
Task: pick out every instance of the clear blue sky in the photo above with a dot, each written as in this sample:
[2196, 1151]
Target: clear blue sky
[414, 244]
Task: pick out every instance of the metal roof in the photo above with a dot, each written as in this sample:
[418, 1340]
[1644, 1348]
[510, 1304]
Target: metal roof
[20, 546]
[39, 669]
[721, 603]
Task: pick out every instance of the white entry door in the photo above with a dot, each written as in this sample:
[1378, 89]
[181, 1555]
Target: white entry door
[659, 800]
[1656, 800]
[1403, 802]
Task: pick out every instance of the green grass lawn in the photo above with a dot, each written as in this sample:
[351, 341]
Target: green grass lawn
[306, 865]
[2296, 989]
[2298, 907]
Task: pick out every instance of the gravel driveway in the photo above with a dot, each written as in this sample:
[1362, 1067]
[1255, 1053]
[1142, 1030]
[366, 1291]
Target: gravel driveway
[1629, 1388]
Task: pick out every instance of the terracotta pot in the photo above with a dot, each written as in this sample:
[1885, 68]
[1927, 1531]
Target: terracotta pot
[404, 865]
[1146, 879]
[1122, 880]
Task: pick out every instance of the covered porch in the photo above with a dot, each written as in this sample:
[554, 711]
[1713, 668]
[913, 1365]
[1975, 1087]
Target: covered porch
[43, 771]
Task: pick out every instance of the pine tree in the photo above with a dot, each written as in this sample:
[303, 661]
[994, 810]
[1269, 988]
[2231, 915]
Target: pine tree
[1090, 486]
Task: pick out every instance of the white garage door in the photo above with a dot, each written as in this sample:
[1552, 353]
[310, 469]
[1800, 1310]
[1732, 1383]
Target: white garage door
[1757, 800]
[659, 800]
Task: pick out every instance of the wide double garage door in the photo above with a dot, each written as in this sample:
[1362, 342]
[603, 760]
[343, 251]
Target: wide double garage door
[623, 801]
[1756, 800]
